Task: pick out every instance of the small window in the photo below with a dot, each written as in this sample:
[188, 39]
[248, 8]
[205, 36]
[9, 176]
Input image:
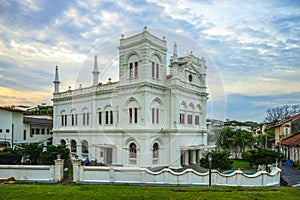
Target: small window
[130, 70]
[130, 115]
[106, 117]
[153, 69]
[7, 130]
[135, 115]
[83, 119]
[48, 131]
[73, 146]
[155, 150]
[181, 119]
[43, 131]
[66, 120]
[37, 131]
[190, 119]
[85, 147]
[63, 142]
[136, 69]
[24, 135]
[100, 118]
[73, 119]
[153, 115]
[133, 70]
[197, 120]
[0, 130]
[132, 150]
[32, 132]
[111, 117]
[87, 118]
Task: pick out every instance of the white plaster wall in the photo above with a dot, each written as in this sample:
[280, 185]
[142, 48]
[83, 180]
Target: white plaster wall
[166, 176]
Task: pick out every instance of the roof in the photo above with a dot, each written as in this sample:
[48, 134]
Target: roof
[287, 120]
[293, 141]
[12, 109]
[31, 120]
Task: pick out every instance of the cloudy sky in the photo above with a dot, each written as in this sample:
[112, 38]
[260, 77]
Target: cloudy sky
[253, 47]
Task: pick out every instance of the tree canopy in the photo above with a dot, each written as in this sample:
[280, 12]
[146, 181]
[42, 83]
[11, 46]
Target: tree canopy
[277, 114]
[220, 161]
[262, 156]
[235, 140]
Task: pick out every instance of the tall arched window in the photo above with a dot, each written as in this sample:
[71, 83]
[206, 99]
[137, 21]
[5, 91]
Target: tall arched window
[155, 150]
[133, 66]
[73, 146]
[132, 150]
[85, 146]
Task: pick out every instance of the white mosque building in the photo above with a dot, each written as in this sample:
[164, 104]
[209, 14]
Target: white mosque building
[147, 118]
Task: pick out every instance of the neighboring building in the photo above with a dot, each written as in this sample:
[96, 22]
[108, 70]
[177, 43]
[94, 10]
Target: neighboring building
[286, 129]
[16, 127]
[291, 147]
[214, 128]
[145, 119]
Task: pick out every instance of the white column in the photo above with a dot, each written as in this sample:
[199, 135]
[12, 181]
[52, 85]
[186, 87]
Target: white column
[76, 169]
[59, 169]
[186, 157]
[193, 161]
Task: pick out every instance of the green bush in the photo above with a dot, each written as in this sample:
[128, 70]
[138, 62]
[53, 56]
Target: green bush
[262, 157]
[220, 161]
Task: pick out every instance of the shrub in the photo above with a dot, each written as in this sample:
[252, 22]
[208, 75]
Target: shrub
[220, 161]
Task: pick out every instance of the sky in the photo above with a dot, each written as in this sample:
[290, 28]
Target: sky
[252, 47]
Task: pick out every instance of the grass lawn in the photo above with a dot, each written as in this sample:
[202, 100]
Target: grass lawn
[242, 164]
[78, 191]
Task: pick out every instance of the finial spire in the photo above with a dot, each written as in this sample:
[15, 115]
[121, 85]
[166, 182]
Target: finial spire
[56, 81]
[95, 72]
[175, 52]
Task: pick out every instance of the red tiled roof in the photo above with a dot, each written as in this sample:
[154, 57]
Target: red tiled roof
[287, 120]
[293, 141]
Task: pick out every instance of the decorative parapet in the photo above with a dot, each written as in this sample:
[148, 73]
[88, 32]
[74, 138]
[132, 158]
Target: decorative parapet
[135, 175]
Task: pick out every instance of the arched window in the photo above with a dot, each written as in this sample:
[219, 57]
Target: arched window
[63, 142]
[132, 150]
[133, 66]
[73, 146]
[155, 150]
[85, 146]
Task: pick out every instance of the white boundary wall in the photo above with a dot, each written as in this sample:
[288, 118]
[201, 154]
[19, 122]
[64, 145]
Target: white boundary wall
[135, 175]
[40, 173]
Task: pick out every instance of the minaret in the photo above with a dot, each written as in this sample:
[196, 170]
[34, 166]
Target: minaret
[56, 81]
[95, 72]
[175, 52]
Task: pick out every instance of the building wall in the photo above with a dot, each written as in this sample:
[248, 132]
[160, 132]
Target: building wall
[157, 101]
[5, 125]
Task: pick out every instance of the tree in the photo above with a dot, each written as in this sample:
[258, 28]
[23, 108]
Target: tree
[220, 161]
[32, 150]
[50, 154]
[235, 140]
[262, 157]
[263, 139]
[277, 114]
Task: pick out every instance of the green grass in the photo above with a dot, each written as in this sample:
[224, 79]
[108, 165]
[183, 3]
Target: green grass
[242, 164]
[78, 191]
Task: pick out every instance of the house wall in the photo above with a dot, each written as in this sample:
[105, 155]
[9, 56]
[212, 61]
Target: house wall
[6, 125]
